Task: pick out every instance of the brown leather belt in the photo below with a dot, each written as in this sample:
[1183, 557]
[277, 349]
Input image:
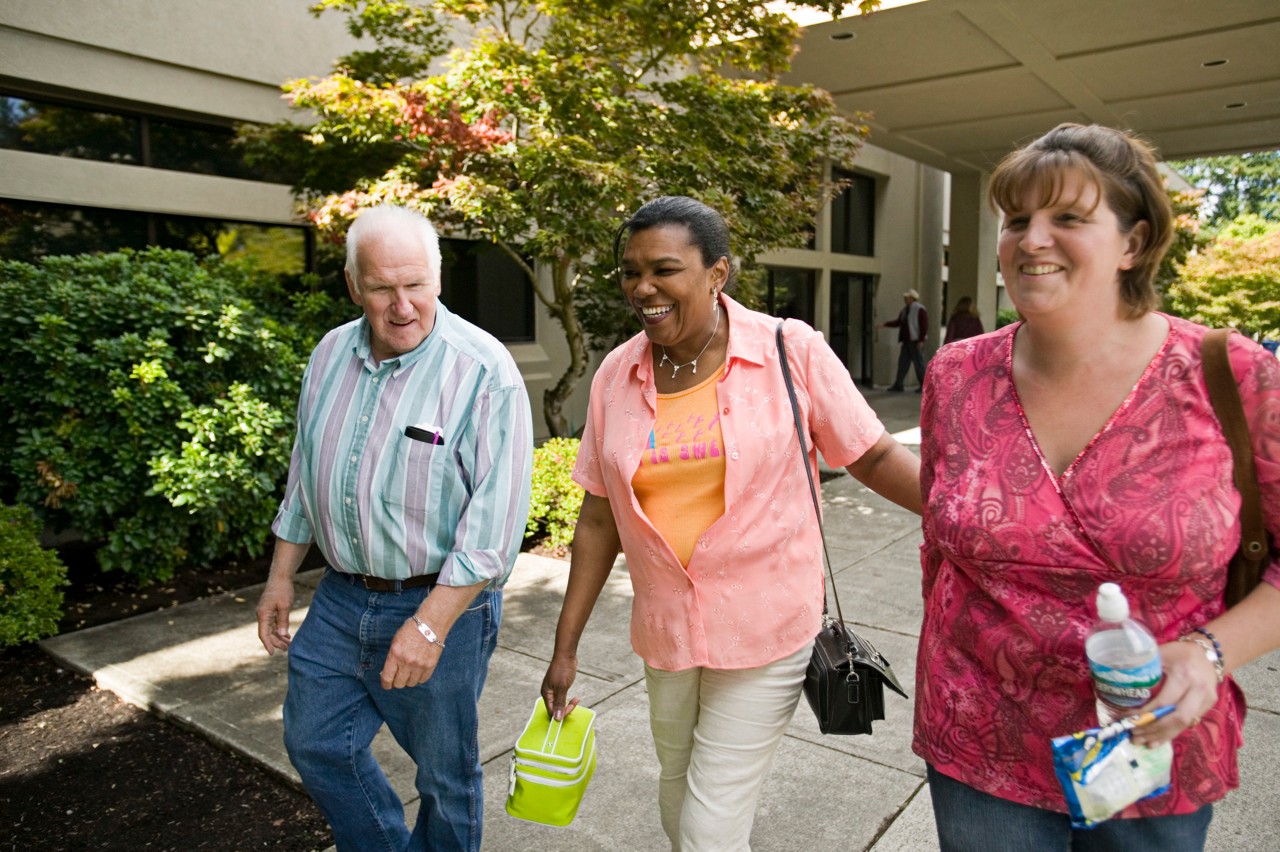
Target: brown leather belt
[377, 584]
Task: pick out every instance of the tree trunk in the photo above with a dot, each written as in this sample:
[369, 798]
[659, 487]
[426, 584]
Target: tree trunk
[565, 312]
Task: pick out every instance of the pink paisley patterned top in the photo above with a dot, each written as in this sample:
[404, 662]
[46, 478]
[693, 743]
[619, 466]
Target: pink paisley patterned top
[1009, 577]
[752, 591]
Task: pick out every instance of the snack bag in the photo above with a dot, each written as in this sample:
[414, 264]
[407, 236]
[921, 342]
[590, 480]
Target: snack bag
[1102, 772]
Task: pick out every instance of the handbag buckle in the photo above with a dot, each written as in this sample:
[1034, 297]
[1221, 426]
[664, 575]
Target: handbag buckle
[854, 684]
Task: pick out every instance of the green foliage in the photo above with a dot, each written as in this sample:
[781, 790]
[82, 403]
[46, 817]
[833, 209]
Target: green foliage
[31, 580]
[148, 399]
[1235, 280]
[1187, 236]
[1006, 316]
[1236, 185]
[554, 120]
[555, 499]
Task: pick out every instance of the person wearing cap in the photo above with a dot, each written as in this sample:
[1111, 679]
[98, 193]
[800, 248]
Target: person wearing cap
[913, 327]
[411, 471]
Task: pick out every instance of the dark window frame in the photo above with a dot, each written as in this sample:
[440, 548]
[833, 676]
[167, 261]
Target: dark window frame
[806, 311]
[212, 145]
[853, 215]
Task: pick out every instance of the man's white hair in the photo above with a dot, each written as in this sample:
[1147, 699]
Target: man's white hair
[376, 218]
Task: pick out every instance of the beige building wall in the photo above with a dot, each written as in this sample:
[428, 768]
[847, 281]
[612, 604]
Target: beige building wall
[224, 61]
[908, 251]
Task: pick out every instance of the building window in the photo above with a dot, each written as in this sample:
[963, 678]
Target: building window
[30, 231]
[853, 215]
[65, 131]
[482, 283]
[120, 136]
[791, 293]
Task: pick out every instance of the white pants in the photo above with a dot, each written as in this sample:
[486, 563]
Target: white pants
[716, 732]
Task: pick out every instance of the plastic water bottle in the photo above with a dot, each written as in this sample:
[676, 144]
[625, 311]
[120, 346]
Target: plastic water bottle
[1123, 658]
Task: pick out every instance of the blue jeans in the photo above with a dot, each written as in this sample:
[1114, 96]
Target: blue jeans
[910, 355]
[969, 820]
[336, 704]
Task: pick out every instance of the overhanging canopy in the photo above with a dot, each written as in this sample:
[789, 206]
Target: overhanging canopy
[957, 84]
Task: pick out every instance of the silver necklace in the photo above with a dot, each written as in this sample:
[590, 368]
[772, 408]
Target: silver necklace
[675, 368]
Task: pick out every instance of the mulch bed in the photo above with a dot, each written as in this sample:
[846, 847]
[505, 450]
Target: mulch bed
[80, 769]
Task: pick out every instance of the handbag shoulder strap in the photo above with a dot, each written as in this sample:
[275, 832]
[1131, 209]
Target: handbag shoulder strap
[1224, 395]
[808, 469]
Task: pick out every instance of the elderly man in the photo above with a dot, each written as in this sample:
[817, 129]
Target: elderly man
[411, 471]
[913, 327]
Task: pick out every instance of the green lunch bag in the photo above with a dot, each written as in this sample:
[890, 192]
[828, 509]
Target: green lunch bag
[551, 765]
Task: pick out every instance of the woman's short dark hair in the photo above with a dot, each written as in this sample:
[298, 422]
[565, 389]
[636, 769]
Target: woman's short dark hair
[1122, 167]
[707, 230]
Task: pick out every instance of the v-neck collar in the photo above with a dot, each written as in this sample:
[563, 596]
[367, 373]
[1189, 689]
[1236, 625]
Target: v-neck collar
[1057, 481]
[1055, 478]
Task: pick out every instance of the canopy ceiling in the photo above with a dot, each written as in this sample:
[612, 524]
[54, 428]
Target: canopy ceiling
[957, 84]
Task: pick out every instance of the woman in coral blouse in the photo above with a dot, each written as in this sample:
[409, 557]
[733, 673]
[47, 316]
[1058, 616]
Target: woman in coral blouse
[691, 465]
[1078, 447]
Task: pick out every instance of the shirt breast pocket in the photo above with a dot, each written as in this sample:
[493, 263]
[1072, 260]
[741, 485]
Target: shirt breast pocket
[417, 471]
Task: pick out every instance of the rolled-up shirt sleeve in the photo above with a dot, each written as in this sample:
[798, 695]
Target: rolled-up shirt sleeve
[500, 467]
[586, 470]
[291, 522]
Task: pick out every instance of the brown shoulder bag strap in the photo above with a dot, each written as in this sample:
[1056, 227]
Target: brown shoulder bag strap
[1224, 393]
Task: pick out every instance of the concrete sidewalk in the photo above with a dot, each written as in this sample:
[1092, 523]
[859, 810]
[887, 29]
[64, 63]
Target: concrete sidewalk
[201, 665]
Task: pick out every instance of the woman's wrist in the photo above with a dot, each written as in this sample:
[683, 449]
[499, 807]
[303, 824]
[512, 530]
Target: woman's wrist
[1212, 649]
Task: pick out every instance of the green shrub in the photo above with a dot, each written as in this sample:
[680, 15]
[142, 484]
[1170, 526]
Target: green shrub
[31, 580]
[149, 399]
[1006, 316]
[555, 499]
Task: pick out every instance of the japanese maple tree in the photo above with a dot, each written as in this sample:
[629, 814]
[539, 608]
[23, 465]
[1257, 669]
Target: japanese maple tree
[539, 125]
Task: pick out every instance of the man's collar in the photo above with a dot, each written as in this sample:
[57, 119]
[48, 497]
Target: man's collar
[362, 348]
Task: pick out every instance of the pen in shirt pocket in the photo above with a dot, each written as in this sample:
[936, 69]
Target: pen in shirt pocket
[426, 433]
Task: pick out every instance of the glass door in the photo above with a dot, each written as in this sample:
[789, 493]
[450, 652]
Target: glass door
[851, 330]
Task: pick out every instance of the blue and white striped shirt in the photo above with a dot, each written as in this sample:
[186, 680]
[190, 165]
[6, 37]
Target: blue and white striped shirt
[381, 503]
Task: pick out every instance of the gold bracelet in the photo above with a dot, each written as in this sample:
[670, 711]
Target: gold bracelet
[1211, 653]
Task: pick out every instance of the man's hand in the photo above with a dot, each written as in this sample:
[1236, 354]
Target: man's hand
[273, 614]
[412, 659]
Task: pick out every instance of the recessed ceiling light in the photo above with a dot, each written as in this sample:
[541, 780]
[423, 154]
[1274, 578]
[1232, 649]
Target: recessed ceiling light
[843, 36]
[1213, 63]
[1236, 105]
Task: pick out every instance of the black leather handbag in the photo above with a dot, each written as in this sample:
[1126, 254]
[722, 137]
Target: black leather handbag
[844, 683]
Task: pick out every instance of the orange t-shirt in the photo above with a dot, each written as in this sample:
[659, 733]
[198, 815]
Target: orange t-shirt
[680, 481]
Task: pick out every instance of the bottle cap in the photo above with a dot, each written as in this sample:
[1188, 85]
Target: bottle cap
[1112, 605]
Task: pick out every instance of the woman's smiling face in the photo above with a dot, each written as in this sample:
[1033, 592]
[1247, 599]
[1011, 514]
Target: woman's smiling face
[1066, 251]
[670, 290]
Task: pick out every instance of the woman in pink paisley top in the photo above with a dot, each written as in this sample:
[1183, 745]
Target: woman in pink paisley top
[1073, 448]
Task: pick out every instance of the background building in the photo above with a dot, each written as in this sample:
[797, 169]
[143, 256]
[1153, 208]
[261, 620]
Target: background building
[137, 99]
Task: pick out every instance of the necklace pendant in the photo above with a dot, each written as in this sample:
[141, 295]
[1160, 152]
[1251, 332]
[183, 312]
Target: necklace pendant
[676, 368]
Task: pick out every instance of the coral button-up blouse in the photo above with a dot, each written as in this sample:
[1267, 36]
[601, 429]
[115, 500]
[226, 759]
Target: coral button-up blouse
[752, 591]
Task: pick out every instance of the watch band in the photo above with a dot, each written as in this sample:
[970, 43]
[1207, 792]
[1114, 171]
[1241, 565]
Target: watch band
[430, 635]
